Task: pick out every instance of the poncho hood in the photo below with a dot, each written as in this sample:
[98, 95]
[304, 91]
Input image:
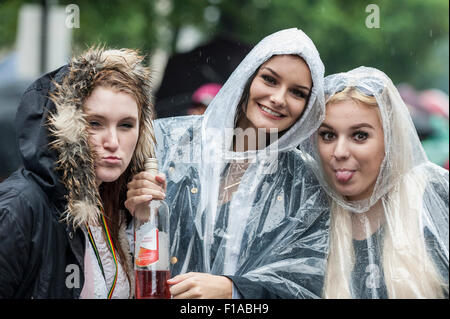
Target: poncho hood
[403, 150]
[221, 113]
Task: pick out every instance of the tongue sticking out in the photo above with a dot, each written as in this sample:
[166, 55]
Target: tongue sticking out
[344, 176]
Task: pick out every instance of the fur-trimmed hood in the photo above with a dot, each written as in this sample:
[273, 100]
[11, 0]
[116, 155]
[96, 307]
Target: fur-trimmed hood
[69, 129]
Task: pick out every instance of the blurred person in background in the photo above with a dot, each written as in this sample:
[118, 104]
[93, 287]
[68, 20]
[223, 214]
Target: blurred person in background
[202, 97]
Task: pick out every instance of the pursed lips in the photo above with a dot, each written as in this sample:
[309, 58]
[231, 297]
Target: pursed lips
[112, 159]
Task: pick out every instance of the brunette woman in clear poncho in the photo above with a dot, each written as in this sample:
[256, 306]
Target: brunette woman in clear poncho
[248, 219]
[389, 204]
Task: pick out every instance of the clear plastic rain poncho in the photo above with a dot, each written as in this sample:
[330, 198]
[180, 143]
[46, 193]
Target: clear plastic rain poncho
[404, 253]
[258, 217]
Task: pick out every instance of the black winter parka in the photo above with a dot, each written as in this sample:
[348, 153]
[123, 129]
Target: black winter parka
[40, 256]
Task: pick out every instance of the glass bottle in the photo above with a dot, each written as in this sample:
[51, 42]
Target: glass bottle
[151, 242]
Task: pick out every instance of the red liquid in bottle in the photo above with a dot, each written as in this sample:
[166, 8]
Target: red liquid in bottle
[152, 284]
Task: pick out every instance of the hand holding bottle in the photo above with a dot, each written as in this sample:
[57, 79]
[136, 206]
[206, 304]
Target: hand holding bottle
[195, 285]
[143, 188]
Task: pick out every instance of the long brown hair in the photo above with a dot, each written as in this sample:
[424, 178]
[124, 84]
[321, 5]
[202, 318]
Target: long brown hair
[113, 194]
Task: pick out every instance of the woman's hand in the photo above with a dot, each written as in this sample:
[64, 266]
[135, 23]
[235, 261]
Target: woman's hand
[194, 285]
[143, 188]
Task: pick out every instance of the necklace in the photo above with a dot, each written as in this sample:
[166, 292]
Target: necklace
[97, 255]
[229, 186]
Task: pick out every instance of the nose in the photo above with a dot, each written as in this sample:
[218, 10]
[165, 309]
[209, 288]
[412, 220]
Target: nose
[277, 97]
[341, 150]
[111, 140]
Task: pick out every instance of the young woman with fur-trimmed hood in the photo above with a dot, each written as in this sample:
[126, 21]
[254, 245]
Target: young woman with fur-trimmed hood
[84, 130]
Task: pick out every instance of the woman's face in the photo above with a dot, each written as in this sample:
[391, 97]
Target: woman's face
[114, 130]
[278, 94]
[351, 147]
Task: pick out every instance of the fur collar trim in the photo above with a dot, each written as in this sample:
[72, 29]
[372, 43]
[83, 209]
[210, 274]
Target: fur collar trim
[69, 128]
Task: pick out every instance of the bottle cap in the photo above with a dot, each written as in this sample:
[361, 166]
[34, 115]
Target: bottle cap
[151, 165]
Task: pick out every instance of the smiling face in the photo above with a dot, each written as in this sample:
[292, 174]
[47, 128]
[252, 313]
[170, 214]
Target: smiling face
[114, 130]
[278, 94]
[351, 147]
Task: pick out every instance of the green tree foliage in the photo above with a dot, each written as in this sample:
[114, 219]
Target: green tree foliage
[411, 44]
[8, 21]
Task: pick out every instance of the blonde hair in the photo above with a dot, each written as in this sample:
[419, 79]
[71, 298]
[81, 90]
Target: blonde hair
[409, 271]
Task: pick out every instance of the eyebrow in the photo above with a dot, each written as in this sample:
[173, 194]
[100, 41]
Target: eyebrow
[327, 126]
[357, 126]
[101, 117]
[277, 75]
[354, 127]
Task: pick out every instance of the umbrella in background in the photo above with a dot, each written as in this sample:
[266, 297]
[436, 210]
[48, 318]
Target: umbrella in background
[436, 146]
[186, 72]
[429, 111]
[419, 115]
[202, 97]
[435, 101]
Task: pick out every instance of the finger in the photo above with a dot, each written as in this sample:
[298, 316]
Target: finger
[180, 288]
[156, 178]
[144, 183]
[145, 176]
[156, 194]
[180, 278]
[132, 202]
[161, 179]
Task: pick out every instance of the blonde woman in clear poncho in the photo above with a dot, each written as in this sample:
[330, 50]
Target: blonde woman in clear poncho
[248, 219]
[389, 204]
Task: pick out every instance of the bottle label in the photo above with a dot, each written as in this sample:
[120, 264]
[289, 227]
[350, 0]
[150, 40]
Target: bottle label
[148, 250]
